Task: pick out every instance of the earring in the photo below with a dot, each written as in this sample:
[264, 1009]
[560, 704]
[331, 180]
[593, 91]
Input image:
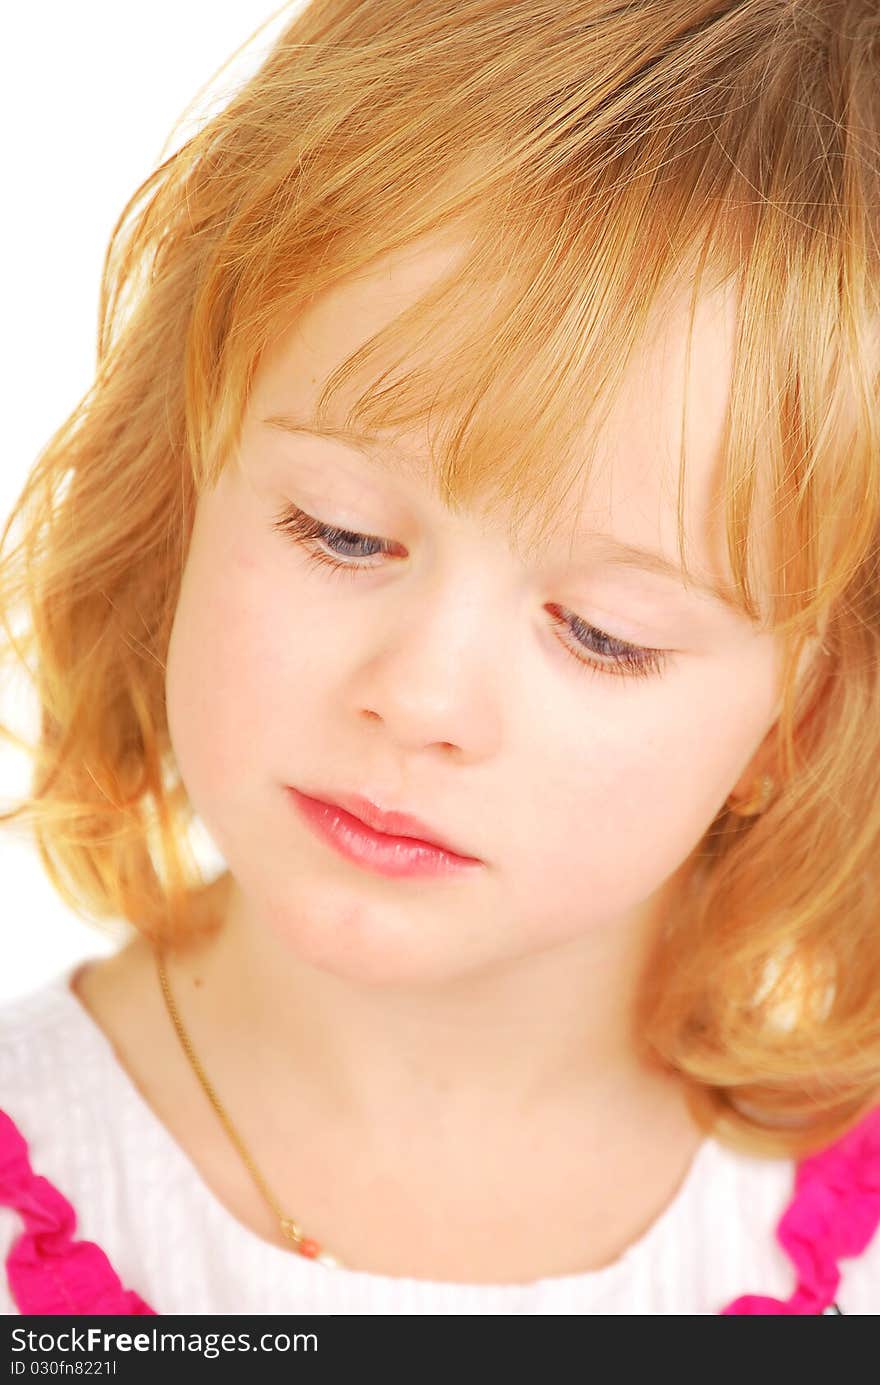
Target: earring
[763, 792]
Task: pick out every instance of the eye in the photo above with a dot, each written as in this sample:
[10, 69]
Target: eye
[608, 655]
[618, 656]
[310, 533]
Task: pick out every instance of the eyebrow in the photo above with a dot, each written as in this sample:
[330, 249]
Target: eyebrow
[371, 448]
[613, 550]
[646, 560]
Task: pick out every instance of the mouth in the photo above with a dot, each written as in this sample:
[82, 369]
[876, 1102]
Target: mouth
[375, 839]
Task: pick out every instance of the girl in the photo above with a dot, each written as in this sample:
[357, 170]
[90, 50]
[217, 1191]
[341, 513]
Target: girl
[542, 975]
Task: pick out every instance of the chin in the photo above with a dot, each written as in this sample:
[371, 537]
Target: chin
[367, 944]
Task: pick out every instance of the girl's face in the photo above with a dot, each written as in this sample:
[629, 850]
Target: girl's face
[446, 677]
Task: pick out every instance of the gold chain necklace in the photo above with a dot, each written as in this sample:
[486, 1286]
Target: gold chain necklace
[290, 1229]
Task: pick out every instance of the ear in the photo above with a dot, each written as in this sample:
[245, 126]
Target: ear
[766, 758]
[764, 761]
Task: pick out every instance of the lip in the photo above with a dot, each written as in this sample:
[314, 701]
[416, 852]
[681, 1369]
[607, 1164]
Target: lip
[389, 842]
[391, 824]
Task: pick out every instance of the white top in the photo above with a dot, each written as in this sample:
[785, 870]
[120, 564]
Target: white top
[139, 1196]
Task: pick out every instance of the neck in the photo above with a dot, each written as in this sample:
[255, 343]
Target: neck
[545, 1033]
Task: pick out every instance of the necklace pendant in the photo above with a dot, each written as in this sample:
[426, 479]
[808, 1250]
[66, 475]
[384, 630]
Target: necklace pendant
[292, 1230]
[306, 1246]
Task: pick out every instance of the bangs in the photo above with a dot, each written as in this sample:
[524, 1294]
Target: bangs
[512, 364]
[578, 233]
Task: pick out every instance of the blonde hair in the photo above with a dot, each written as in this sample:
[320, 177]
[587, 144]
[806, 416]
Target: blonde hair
[599, 157]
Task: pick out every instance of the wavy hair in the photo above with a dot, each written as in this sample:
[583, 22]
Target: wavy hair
[600, 155]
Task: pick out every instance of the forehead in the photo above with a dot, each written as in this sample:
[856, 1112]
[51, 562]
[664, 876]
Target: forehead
[630, 490]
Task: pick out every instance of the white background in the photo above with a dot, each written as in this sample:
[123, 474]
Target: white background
[90, 96]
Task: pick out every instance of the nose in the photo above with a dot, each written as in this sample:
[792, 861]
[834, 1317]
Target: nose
[431, 674]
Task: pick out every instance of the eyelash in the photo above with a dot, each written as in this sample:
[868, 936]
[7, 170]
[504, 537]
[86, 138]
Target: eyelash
[625, 660]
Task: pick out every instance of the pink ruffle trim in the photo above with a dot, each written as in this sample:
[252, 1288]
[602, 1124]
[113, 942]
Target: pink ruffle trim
[49, 1271]
[833, 1215]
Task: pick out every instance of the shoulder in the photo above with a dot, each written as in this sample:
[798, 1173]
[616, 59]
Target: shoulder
[57, 1056]
[48, 1074]
[61, 1158]
[805, 1231]
[860, 1281]
[847, 1216]
[830, 1227]
[36, 1030]
[39, 1028]
[52, 1066]
[39, 1044]
[46, 1035]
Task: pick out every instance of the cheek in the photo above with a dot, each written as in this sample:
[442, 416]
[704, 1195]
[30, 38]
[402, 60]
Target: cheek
[617, 798]
[240, 676]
